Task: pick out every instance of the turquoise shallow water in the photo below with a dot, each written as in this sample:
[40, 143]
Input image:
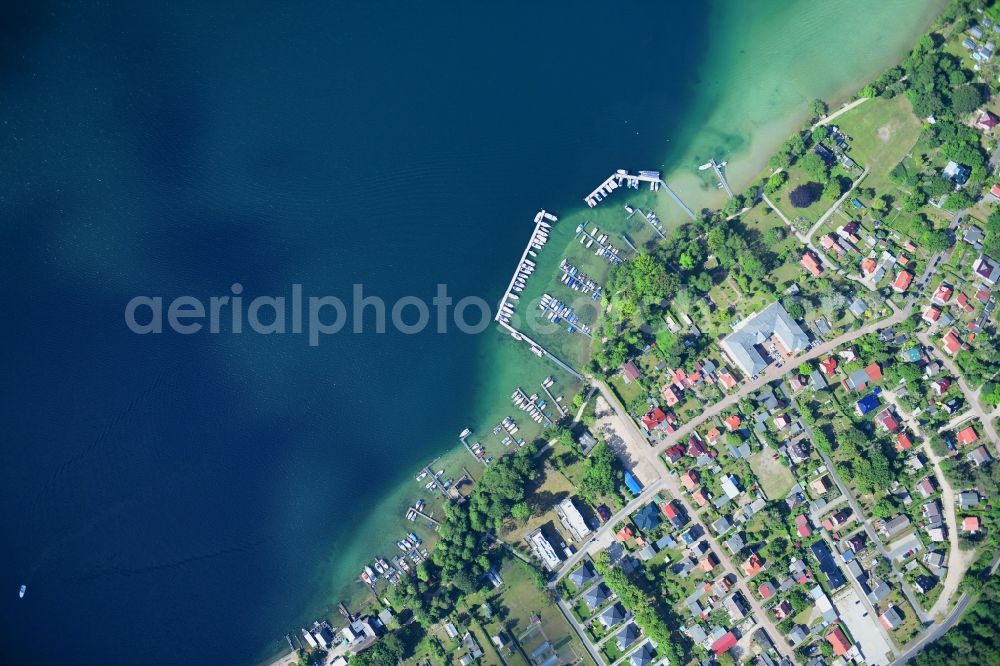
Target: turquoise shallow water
[202, 494]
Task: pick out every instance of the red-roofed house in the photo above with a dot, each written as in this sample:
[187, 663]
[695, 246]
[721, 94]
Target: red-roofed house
[674, 453]
[970, 524]
[932, 314]
[963, 302]
[712, 435]
[986, 121]
[724, 644]
[941, 386]
[902, 281]
[828, 366]
[802, 526]
[995, 190]
[886, 419]
[670, 394]
[943, 294]
[625, 533]
[727, 380]
[783, 610]
[701, 497]
[811, 263]
[630, 372]
[754, 565]
[690, 479]
[669, 510]
[868, 266]
[983, 295]
[967, 436]
[838, 640]
[781, 421]
[874, 372]
[951, 342]
[708, 563]
[654, 418]
[903, 442]
[766, 591]
[733, 422]
[696, 448]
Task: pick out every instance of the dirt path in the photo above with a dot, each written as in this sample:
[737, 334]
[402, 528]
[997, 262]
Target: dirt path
[959, 561]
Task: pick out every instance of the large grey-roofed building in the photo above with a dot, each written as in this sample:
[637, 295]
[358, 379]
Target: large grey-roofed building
[741, 345]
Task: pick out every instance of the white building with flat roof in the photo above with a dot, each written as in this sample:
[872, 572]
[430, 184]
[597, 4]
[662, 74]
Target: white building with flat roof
[543, 549]
[572, 519]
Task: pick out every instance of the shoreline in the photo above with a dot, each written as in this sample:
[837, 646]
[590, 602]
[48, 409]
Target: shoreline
[748, 162]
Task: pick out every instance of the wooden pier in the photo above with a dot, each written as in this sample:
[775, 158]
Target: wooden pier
[562, 410]
[424, 516]
[621, 177]
[471, 453]
[715, 166]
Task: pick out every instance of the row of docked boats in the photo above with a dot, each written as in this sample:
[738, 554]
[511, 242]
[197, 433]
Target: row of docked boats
[573, 278]
[480, 452]
[556, 311]
[530, 404]
[415, 510]
[392, 571]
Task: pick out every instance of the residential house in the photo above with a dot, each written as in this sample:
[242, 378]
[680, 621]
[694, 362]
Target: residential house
[986, 269]
[951, 342]
[980, 457]
[811, 263]
[902, 281]
[891, 618]
[838, 640]
[860, 379]
[630, 372]
[925, 487]
[967, 436]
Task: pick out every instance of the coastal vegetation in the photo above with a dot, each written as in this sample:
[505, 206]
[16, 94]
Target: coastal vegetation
[976, 638]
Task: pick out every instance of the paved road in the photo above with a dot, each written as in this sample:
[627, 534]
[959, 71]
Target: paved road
[672, 485]
[936, 631]
[578, 628]
[598, 537]
[872, 536]
[958, 560]
[774, 372]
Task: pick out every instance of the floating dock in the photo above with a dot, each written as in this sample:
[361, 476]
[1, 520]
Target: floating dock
[622, 178]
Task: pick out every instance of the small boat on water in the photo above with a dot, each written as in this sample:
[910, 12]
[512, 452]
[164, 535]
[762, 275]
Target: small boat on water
[421, 476]
[20, 593]
[465, 433]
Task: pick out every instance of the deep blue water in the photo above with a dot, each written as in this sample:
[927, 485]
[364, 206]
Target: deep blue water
[169, 498]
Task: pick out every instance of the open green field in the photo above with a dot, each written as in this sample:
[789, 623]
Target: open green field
[774, 478]
[522, 600]
[881, 132]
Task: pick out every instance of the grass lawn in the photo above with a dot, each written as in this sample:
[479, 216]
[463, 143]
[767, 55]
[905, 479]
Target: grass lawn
[522, 600]
[628, 393]
[881, 133]
[797, 177]
[775, 478]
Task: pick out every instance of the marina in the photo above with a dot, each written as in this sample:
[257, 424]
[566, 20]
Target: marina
[556, 311]
[505, 310]
[622, 178]
[532, 405]
[577, 280]
[605, 250]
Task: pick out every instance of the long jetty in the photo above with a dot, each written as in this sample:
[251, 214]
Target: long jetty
[622, 178]
[722, 179]
[543, 219]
